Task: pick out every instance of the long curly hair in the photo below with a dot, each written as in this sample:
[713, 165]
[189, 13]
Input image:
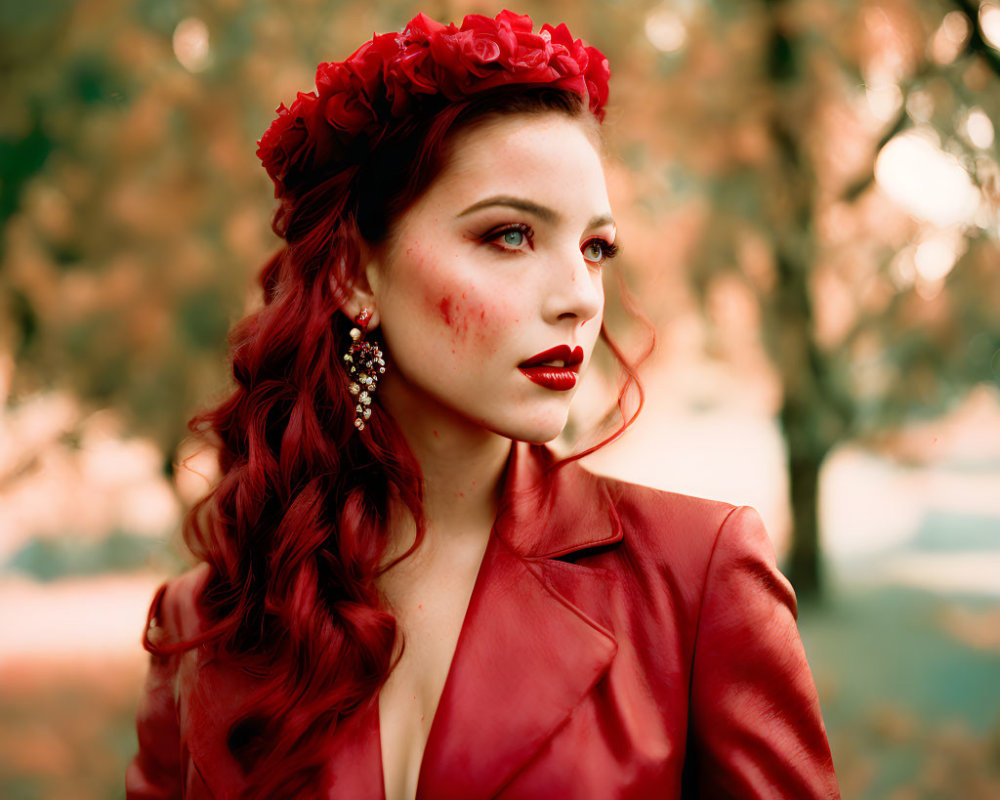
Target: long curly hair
[296, 529]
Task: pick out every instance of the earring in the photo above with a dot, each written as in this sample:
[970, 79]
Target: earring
[365, 364]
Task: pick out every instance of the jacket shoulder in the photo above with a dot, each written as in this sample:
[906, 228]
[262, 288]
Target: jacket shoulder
[681, 534]
[173, 614]
[653, 510]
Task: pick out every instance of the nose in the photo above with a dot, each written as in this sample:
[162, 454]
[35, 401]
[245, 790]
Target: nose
[573, 288]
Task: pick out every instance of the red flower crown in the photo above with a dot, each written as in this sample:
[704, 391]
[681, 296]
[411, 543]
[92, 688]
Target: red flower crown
[388, 79]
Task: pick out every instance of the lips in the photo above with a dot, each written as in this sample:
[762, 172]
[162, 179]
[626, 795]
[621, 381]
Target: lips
[557, 368]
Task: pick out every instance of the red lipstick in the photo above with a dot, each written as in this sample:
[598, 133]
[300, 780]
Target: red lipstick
[557, 368]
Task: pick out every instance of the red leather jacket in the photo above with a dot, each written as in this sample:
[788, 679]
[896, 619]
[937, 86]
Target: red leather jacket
[620, 643]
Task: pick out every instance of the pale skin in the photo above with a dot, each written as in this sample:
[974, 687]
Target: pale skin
[500, 259]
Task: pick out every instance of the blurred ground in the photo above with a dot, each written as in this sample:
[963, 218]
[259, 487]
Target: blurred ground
[906, 654]
[907, 680]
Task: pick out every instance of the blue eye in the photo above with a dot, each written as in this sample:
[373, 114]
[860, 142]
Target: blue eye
[514, 238]
[510, 238]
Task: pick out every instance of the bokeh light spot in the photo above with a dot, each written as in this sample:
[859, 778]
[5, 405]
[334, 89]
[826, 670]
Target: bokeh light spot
[924, 180]
[884, 101]
[950, 37]
[978, 128]
[989, 23]
[191, 44]
[666, 30]
[936, 255]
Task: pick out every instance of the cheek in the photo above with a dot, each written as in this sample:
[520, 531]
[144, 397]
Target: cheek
[458, 310]
[471, 318]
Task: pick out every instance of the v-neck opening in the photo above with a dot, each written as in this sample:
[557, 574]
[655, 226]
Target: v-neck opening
[476, 590]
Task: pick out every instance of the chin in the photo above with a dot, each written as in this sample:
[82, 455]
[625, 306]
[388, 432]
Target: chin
[537, 432]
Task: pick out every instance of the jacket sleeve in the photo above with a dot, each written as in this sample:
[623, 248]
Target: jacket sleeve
[155, 771]
[755, 725]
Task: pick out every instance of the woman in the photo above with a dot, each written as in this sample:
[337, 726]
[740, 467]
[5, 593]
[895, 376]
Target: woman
[402, 593]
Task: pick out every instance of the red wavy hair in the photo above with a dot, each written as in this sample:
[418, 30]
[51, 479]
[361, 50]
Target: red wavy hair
[296, 529]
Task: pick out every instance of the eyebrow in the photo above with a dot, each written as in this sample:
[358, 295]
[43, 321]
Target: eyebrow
[542, 212]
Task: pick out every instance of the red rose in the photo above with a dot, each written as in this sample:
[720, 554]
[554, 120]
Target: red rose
[288, 144]
[485, 30]
[328, 76]
[367, 62]
[348, 111]
[516, 22]
[465, 57]
[421, 28]
[415, 69]
[477, 50]
[532, 51]
[486, 53]
[569, 56]
[346, 105]
[598, 73]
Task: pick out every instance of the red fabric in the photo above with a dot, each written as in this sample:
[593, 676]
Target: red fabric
[620, 643]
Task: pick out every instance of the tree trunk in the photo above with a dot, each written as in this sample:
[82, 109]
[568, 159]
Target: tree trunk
[810, 430]
[812, 412]
[805, 568]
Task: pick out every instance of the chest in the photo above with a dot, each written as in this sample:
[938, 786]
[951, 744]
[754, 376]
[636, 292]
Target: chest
[429, 600]
[540, 691]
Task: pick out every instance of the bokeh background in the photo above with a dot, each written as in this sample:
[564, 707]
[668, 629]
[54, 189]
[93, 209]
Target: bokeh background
[809, 198]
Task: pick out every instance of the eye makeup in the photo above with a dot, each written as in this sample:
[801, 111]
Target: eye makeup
[609, 250]
[498, 237]
[511, 238]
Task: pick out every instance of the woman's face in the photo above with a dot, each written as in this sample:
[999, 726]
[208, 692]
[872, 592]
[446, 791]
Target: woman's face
[488, 291]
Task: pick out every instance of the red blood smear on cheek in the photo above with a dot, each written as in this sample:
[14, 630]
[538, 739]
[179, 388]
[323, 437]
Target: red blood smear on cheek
[479, 319]
[484, 330]
[445, 308]
[451, 312]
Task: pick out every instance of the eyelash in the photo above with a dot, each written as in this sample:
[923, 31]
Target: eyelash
[609, 249]
[520, 227]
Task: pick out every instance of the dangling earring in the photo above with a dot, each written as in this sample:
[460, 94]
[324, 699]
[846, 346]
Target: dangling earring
[365, 365]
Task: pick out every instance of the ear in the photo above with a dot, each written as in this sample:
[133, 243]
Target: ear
[363, 292]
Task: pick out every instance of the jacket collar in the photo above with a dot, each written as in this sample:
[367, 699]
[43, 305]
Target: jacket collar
[548, 511]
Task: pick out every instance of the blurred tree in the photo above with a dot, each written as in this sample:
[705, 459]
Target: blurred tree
[133, 210]
[870, 316]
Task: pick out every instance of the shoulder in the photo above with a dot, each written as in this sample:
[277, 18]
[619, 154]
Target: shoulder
[697, 546]
[655, 511]
[174, 614]
[682, 531]
[660, 508]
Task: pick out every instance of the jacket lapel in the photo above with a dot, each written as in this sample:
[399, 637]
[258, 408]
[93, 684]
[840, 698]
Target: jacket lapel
[354, 768]
[536, 637]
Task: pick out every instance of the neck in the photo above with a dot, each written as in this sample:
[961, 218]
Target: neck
[462, 465]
